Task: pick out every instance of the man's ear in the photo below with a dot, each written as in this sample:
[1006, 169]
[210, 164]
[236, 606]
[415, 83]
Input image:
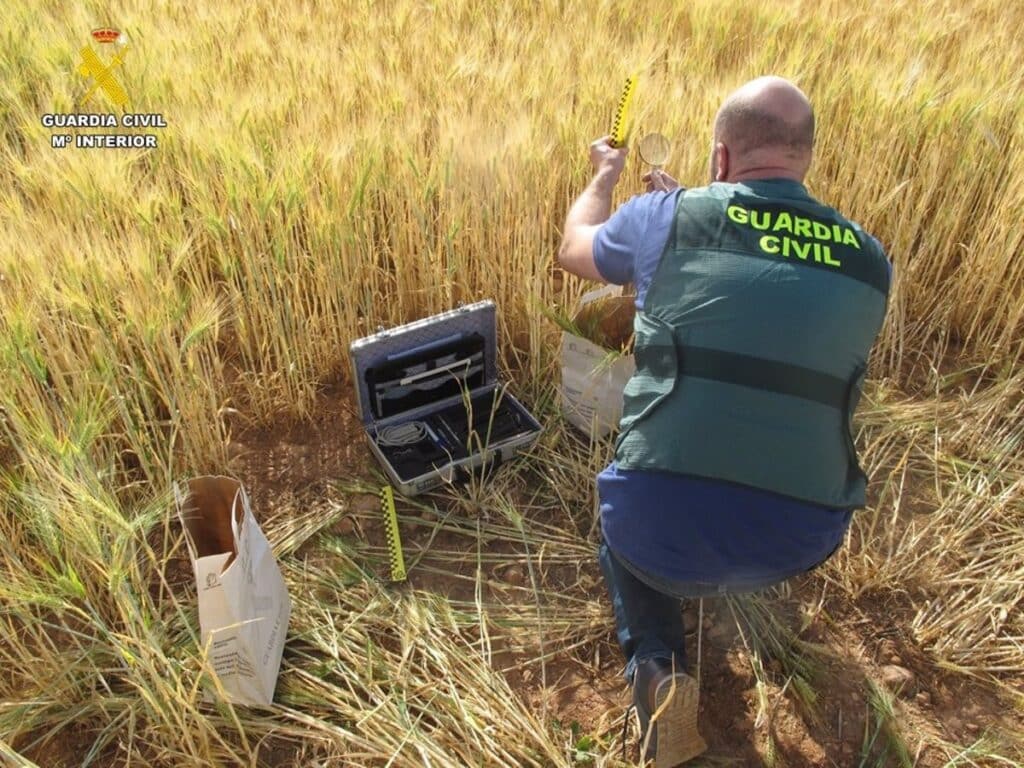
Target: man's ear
[721, 162]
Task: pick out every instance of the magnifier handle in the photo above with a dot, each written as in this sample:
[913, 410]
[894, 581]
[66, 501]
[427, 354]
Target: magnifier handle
[659, 181]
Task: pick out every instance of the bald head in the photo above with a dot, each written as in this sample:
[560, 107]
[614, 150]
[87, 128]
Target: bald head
[766, 124]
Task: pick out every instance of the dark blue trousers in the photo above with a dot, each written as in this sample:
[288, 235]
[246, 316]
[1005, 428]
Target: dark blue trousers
[649, 623]
[649, 612]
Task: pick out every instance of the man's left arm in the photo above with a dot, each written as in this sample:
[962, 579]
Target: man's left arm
[591, 209]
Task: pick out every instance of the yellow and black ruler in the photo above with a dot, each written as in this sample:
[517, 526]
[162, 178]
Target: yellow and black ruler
[622, 125]
[395, 556]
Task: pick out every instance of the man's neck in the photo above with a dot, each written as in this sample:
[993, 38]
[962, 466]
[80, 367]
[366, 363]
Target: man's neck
[759, 173]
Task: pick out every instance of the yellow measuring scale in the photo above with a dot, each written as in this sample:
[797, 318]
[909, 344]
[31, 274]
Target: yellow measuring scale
[395, 556]
[622, 125]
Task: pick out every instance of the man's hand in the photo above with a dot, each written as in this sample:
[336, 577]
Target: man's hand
[607, 161]
[591, 209]
[659, 181]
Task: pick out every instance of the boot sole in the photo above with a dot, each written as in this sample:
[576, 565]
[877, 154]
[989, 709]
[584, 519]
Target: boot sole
[677, 700]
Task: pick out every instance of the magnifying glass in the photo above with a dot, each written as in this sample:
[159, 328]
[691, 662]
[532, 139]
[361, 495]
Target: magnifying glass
[654, 150]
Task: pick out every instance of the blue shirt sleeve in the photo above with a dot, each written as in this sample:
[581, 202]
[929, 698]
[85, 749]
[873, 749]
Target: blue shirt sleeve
[615, 244]
[628, 247]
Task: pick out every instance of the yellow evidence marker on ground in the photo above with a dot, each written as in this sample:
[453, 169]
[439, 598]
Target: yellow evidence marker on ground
[394, 539]
[622, 125]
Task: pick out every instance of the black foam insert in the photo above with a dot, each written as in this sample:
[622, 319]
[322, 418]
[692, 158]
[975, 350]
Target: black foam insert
[426, 374]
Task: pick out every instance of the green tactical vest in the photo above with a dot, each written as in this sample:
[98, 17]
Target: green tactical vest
[752, 344]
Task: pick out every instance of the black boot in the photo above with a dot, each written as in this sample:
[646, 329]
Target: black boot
[671, 699]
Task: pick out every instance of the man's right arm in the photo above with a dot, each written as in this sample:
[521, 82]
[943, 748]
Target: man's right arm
[591, 209]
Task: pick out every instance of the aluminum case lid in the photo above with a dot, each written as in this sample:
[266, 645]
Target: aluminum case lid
[372, 351]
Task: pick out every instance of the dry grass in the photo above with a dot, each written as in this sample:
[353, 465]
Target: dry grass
[330, 167]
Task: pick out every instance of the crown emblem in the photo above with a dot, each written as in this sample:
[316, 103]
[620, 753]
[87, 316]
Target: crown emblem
[105, 35]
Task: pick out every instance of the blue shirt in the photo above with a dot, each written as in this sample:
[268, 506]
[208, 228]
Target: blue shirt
[693, 530]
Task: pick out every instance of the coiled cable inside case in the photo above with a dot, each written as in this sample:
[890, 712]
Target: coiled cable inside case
[409, 433]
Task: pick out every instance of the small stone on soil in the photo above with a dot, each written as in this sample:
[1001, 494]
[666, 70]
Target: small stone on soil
[513, 575]
[366, 503]
[689, 621]
[896, 678]
[924, 699]
[718, 630]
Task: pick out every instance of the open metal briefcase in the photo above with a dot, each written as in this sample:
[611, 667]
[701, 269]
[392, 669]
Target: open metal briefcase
[430, 399]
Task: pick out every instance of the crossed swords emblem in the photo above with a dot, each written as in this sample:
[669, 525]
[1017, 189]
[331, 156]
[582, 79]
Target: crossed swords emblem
[103, 74]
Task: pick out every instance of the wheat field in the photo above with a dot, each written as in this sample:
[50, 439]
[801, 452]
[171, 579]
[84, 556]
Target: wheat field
[329, 167]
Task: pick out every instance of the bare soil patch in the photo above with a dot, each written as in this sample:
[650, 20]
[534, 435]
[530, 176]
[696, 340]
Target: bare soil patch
[574, 675]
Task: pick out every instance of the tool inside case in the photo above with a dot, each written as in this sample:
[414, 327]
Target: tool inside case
[451, 413]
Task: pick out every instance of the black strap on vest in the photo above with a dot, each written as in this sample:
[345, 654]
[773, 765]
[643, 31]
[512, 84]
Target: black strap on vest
[759, 373]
